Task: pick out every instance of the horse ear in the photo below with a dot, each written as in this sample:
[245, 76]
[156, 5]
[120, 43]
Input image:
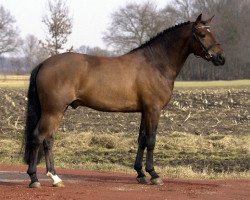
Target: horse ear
[198, 19]
[209, 20]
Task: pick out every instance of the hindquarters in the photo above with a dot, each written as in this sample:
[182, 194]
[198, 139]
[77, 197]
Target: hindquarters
[46, 100]
[58, 82]
[44, 113]
[42, 117]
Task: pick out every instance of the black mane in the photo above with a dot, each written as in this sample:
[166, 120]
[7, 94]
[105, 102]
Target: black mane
[168, 30]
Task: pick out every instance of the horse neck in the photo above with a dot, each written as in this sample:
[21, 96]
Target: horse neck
[170, 52]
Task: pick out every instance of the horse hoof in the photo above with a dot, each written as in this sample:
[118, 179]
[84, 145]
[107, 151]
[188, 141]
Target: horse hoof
[35, 185]
[142, 180]
[156, 181]
[60, 184]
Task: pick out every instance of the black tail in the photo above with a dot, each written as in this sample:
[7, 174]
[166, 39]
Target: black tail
[33, 115]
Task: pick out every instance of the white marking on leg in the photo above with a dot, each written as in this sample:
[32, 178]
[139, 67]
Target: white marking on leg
[55, 178]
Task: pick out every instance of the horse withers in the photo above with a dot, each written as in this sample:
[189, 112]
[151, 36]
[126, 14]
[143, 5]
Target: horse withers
[140, 81]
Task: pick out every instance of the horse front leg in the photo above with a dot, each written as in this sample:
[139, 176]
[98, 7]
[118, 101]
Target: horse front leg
[151, 122]
[141, 177]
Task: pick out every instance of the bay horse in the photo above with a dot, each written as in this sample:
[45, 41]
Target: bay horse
[141, 80]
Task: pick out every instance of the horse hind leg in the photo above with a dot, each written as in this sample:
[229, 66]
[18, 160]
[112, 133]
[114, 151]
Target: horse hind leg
[49, 159]
[52, 121]
[47, 125]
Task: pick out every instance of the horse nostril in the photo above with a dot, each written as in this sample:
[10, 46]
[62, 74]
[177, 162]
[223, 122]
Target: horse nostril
[220, 58]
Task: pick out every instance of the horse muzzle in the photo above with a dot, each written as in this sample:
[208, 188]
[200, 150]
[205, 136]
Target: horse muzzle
[218, 59]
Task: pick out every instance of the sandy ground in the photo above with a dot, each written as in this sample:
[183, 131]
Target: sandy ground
[93, 185]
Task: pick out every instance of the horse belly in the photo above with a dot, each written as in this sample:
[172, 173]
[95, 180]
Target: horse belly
[110, 100]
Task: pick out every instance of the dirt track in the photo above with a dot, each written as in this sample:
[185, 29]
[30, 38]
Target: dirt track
[93, 185]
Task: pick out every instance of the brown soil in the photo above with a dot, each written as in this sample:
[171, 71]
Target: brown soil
[201, 112]
[93, 185]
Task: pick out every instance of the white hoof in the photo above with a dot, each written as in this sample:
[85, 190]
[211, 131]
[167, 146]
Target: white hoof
[55, 178]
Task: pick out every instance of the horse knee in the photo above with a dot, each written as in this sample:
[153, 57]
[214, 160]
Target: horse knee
[150, 147]
[151, 143]
[142, 142]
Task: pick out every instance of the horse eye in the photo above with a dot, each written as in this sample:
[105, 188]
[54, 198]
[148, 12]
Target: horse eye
[202, 35]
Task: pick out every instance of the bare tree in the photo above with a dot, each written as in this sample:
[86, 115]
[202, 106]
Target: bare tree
[9, 39]
[33, 52]
[58, 24]
[132, 25]
[184, 9]
[210, 7]
[171, 15]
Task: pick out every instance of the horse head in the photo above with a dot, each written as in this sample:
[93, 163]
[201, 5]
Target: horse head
[204, 44]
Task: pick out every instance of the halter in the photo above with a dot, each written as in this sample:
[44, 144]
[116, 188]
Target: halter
[208, 55]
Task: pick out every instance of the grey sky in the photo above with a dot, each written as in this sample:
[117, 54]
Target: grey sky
[90, 18]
